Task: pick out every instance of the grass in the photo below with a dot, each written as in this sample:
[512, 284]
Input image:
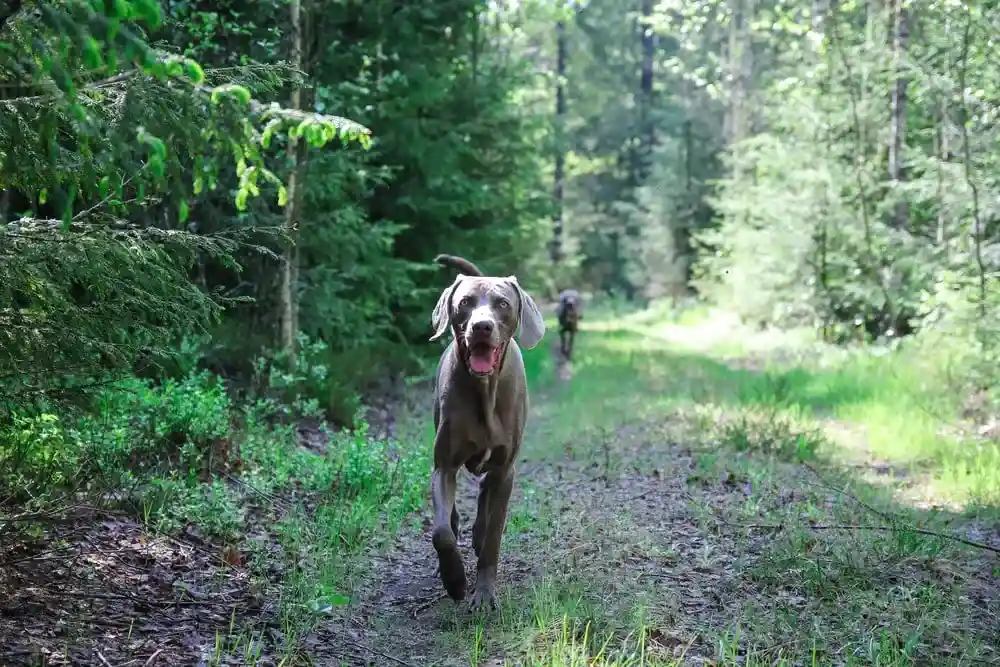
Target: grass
[691, 499]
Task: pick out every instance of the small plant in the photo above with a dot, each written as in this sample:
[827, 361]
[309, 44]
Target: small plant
[771, 434]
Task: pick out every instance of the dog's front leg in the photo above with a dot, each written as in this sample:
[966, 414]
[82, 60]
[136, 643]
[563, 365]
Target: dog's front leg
[450, 565]
[494, 498]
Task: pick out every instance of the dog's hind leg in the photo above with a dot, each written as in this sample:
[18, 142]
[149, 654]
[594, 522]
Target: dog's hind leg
[494, 498]
[450, 565]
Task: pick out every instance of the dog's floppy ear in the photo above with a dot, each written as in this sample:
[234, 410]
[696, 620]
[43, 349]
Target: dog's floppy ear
[530, 324]
[442, 311]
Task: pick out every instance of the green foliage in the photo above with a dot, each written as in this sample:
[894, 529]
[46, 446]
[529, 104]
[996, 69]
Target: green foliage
[453, 166]
[98, 135]
[814, 228]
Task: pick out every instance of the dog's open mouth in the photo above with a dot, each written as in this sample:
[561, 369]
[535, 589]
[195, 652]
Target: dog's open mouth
[484, 358]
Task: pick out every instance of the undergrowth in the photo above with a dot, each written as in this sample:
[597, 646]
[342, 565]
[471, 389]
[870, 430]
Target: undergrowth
[232, 466]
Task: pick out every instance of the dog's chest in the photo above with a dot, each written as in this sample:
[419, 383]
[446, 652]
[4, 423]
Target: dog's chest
[489, 431]
[484, 440]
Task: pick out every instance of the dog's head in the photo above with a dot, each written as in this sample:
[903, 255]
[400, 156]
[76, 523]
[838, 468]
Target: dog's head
[485, 313]
[569, 302]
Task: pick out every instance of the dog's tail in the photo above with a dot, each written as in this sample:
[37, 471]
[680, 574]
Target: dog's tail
[459, 264]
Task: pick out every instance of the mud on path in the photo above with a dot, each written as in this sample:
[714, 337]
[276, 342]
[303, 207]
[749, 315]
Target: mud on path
[645, 529]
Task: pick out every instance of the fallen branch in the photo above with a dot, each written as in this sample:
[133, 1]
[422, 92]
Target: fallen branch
[152, 657]
[887, 529]
[900, 528]
[823, 484]
[373, 651]
[898, 524]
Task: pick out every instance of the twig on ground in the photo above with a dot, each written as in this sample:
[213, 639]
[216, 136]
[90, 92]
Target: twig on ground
[103, 659]
[152, 657]
[427, 605]
[373, 651]
[889, 529]
[898, 528]
[263, 494]
[823, 484]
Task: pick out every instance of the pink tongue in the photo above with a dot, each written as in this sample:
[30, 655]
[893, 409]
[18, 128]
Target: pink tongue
[481, 363]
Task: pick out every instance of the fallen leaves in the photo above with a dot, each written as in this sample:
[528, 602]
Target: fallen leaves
[102, 590]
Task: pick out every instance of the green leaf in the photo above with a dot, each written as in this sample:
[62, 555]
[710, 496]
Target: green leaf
[174, 69]
[120, 9]
[149, 12]
[182, 211]
[241, 93]
[282, 196]
[268, 133]
[92, 53]
[194, 72]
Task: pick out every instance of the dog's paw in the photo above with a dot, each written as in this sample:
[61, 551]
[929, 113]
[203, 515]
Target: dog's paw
[483, 599]
[450, 565]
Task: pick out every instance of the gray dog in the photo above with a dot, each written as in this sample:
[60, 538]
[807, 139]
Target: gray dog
[569, 315]
[480, 407]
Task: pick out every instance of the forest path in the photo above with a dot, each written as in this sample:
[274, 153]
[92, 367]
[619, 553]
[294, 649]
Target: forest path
[669, 512]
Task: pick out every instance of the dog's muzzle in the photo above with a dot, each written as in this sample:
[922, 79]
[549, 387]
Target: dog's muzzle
[482, 357]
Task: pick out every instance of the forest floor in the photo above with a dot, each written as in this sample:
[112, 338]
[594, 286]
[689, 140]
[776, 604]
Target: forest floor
[685, 500]
[689, 492]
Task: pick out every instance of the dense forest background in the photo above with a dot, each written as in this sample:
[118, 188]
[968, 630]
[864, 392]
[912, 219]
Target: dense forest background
[827, 164]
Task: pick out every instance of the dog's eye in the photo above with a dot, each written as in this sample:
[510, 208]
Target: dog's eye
[466, 301]
[503, 303]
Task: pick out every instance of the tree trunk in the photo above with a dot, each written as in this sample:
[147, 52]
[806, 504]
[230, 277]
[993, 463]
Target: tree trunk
[686, 221]
[941, 151]
[290, 268]
[740, 71]
[646, 90]
[897, 130]
[560, 167]
[816, 20]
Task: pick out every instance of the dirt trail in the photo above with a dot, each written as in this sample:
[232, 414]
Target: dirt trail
[634, 528]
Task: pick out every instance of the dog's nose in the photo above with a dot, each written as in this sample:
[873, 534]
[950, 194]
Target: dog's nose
[482, 327]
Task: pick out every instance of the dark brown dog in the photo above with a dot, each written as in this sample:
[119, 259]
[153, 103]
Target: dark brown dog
[569, 314]
[480, 408]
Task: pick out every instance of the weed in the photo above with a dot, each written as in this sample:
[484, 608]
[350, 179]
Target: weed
[771, 434]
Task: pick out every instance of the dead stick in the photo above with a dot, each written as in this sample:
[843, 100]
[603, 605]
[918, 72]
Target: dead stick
[152, 657]
[890, 529]
[825, 485]
[398, 661]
